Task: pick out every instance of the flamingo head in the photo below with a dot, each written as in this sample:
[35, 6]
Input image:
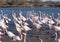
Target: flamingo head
[6, 18]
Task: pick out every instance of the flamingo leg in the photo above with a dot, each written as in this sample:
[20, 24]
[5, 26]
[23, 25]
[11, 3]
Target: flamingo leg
[0, 38]
[41, 40]
[25, 36]
[56, 36]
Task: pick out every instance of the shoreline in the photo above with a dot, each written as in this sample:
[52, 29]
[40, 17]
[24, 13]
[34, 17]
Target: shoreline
[30, 4]
[25, 6]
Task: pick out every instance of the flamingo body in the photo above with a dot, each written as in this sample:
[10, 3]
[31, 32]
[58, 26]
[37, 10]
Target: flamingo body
[12, 35]
[1, 33]
[37, 25]
[57, 28]
[26, 28]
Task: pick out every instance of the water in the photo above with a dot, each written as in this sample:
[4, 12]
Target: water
[46, 10]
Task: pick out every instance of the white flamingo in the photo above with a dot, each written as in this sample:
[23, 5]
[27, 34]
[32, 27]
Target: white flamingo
[12, 35]
[2, 24]
[37, 25]
[50, 21]
[25, 23]
[14, 16]
[1, 35]
[57, 28]
[18, 28]
[34, 19]
[44, 19]
[6, 18]
[21, 16]
[26, 29]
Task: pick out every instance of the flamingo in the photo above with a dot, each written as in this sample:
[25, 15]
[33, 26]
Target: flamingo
[12, 35]
[32, 18]
[2, 24]
[14, 16]
[18, 27]
[22, 17]
[26, 29]
[35, 19]
[25, 26]
[1, 36]
[57, 28]
[51, 22]
[6, 18]
[25, 23]
[44, 19]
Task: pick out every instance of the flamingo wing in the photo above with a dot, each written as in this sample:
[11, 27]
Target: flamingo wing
[26, 28]
[10, 34]
[57, 28]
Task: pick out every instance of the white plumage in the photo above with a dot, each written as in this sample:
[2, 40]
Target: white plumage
[26, 28]
[2, 24]
[20, 22]
[58, 40]
[12, 35]
[14, 16]
[25, 23]
[36, 18]
[31, 20]
[7, 19]
[39, 22]
[18, 27]
[1, 33]
[51, 21]
[43, 21]
[24, 19]
[37, 25]
[57, 28]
